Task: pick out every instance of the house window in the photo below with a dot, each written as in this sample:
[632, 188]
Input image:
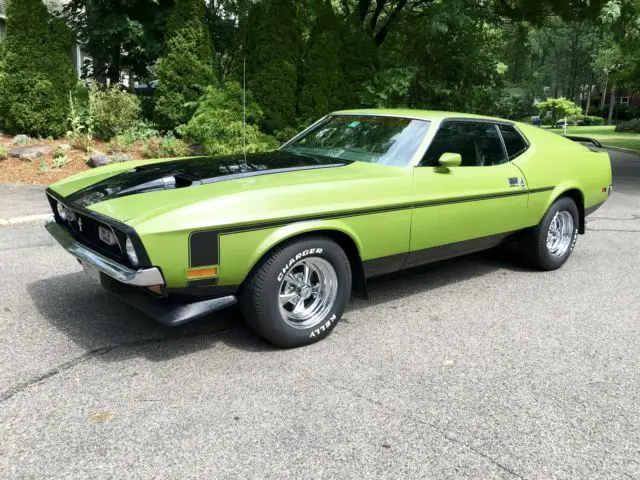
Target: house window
[624, 100]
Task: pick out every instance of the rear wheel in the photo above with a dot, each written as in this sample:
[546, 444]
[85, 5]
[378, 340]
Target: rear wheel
[298, 292]
[550, 243]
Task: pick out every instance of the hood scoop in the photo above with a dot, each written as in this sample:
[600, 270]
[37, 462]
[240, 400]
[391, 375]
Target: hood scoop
[176, 174]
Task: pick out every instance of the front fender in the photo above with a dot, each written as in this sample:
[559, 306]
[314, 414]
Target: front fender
[235, 264]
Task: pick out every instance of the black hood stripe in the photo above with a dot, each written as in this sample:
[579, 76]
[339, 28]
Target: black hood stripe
[175, 174]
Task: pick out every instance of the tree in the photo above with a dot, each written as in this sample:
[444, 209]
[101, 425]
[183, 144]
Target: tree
[119, 35]
[321, 69]
[358, 61]
[559, 108]
[273, 51]
[187, 66]
[38, 74]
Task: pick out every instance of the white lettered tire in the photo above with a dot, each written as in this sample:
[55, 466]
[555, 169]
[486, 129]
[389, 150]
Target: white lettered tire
[298, 292]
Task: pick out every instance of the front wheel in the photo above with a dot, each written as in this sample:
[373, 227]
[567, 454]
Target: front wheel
[298, 292]
[549, 244]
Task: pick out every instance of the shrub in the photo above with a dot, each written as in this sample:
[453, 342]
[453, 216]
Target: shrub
[60, 161]
[632, 126]
[139, 133]
[21, 139]
[217, 124]
[3, 152]
[593, 121]
[165, 147]
[38, 73]
[114, 111]
[559, 108]
[187, 66]
[59, 152]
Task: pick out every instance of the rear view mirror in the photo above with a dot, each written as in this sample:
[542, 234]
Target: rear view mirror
[449, 160]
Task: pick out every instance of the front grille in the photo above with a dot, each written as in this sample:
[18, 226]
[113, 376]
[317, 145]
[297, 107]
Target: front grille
[85, 230]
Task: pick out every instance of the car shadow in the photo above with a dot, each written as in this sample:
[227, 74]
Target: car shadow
[113, 331]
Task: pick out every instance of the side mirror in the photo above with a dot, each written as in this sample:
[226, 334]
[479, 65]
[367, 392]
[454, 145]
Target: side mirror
[449, 160]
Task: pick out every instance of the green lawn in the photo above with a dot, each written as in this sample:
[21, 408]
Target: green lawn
[607, 136]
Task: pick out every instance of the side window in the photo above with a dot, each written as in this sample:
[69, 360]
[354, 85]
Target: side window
[478, 143]
[513, 141]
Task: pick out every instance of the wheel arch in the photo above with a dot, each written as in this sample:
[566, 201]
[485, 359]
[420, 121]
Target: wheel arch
[340, 234]
[577, 196]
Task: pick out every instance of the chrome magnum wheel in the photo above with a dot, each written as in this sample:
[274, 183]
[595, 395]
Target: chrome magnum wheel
[549, 244]
[297, 293]
[560, 234]
[308, 292]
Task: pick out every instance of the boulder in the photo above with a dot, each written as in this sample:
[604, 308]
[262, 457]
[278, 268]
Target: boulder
[64, 146]
[30, 152]
[100, 159]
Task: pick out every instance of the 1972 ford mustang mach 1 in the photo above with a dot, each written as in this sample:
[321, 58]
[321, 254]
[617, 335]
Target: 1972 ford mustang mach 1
[291, 233]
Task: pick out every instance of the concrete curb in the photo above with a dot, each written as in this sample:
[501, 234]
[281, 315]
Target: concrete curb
[7, 222]
[622, 150]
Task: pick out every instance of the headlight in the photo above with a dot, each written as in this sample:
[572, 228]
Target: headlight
[62, 211]
[65, 213]
[131, 252]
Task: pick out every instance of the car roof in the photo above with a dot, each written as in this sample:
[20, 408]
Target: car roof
[421, 114]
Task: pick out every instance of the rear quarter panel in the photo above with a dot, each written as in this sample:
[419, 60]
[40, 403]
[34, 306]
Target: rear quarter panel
[554, 161]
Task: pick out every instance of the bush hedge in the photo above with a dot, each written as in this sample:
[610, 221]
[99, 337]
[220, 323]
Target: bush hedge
[217, 124]
[632, 126]
[37, 71]
[591, 121]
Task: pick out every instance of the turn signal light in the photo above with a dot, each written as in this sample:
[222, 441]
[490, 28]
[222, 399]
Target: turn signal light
[206, 272]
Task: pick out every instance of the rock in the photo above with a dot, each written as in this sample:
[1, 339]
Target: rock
[30, 152]
[100, 159]
[64, 146]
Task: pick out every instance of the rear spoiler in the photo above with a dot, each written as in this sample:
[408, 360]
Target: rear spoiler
[588, 142]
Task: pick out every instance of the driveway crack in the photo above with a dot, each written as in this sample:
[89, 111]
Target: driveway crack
[98, 352]
[426, 423]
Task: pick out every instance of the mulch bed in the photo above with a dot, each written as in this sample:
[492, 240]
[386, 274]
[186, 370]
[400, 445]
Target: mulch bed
[14, 170]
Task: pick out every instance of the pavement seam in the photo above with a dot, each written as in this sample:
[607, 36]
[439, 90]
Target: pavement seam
[426, 423]
[612, 230]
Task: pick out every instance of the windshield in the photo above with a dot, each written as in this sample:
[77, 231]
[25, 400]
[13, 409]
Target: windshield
[364, 138]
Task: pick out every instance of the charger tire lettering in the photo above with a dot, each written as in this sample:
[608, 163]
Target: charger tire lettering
[324, 326]
[297, 257]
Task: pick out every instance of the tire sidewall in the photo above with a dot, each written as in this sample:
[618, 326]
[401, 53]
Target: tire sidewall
[273, 326]
[563, 204]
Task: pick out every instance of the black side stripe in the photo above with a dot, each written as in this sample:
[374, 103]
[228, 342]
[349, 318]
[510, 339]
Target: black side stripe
[206, 239]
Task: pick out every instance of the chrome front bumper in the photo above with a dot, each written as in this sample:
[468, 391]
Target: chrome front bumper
[144, 277]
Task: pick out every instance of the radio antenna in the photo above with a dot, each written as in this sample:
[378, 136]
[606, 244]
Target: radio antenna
[244, 111]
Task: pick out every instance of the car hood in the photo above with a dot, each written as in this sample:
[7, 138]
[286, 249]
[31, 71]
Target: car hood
[204, 191]
[192, 172]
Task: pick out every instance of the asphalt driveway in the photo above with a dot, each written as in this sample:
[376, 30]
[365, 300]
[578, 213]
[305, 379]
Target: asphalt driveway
[472, 368]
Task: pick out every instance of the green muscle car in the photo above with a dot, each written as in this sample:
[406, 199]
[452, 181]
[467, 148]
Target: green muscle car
[290, 234]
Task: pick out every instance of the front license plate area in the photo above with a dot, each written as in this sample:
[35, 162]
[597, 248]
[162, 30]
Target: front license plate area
[91, 271]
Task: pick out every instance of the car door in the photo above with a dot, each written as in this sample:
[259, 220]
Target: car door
[474, 206]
